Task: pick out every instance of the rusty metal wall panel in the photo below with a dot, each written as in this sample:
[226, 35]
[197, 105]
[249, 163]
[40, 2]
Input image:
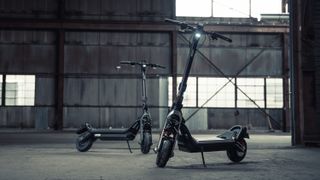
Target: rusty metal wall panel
[317, 64]
[75, 116]
[119, 92]
[106, 117]
[11, 58]
[19, 58]
[45, 91]
[231, 60]
[39, 59]
[27, 51]
[238, 40]
[109, 92]
[44, 117]
[81, 91]
[226, 118]
[28, 8]
[101, 52]
[123, 10]
[81, 59]
[269, 63]
[17, 117]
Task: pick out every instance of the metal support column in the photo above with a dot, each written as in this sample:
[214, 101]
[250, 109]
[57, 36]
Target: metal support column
[296, 74]
[58, 124]
[286, 94]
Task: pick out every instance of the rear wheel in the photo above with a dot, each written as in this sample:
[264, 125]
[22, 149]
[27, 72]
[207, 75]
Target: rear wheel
[238, 152]
[146, 143]
[164, 152]
[84, 142]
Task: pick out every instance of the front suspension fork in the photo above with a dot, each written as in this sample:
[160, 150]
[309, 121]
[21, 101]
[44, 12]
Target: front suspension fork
[170, 128]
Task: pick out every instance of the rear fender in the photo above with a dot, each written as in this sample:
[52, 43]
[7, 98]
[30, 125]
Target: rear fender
[242, 132]
[84, 127]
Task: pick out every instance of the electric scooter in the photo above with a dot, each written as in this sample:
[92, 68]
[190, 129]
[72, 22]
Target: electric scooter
[174, 130]
[88, 134]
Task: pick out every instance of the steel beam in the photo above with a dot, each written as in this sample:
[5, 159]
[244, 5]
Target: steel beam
[95, 25]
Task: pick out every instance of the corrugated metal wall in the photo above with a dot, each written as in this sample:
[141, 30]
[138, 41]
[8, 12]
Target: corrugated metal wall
[231, 57]
[316, 12]
[94, 90]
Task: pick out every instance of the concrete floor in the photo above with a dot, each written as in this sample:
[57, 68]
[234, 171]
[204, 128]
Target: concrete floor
[52, 156]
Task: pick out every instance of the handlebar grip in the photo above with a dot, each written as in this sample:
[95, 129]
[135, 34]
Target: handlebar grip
[158, 66]
[221, 37]
[127, 62]
[173, 21]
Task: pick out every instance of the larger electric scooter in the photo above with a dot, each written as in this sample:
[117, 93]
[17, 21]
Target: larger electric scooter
[174, 129]
[88, 134]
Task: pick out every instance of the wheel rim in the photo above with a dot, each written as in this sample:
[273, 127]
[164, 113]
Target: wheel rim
[241, 148]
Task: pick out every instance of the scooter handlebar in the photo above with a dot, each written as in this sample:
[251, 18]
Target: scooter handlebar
[156, 66]
[141, 64]
[128, 62]
[215, 35]
[184, 25]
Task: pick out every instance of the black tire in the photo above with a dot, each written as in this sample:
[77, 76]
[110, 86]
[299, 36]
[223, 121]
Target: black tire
[164, 152]
[236, 154]
[146, 143]
[84, 142]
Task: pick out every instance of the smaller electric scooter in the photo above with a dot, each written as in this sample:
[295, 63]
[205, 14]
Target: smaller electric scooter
[88, 134]
[174, 128]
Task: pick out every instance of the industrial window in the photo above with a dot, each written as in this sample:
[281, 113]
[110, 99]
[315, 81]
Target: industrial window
[190, 95]
[170, 91]
[253, 88]
[0, 89]
[263, 91]
[274, 88]
[20, 90]
[227, 8]
[208, 86]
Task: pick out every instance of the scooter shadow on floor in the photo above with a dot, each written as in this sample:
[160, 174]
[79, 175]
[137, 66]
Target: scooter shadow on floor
[220, 166]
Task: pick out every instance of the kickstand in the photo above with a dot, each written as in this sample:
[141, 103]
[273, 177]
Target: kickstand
[203, 162]
[129, 147]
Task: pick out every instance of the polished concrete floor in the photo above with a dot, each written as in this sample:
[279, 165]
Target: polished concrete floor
[52, 156]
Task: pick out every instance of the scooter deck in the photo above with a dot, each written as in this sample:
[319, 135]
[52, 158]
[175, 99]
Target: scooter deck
[205, 145]
[109, 131]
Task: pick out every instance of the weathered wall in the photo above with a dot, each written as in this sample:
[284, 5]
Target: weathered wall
[97, 92]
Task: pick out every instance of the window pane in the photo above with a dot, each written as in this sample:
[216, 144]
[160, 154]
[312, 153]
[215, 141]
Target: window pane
[0, 89]
[274, 92]
[209, 86]
[193, 8]
[169, 91]
[252, 87]
[259, 7]
[20, 90]
[231, 8]
[190, 94]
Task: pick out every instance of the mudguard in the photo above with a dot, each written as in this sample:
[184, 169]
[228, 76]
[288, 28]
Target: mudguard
[241, 132]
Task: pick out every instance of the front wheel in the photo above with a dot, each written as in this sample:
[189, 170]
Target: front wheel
[238, 152]
[146, 143]
[84, 142]
[164, 152]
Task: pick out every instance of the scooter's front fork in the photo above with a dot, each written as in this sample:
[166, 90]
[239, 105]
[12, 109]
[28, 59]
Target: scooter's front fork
[145, 127]
[170, 130]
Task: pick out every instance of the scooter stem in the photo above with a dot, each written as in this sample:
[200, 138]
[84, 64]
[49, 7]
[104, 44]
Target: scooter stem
[183, 85]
